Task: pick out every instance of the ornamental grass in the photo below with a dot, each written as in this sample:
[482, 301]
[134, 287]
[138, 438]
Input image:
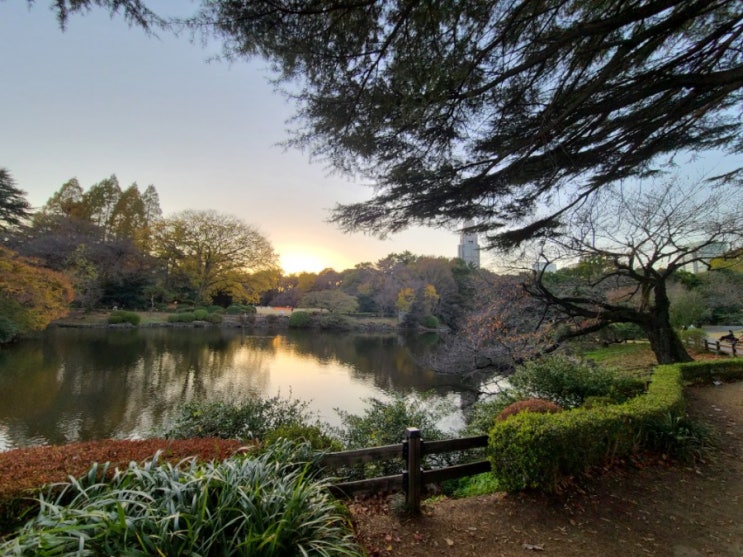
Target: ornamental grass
[265, 505]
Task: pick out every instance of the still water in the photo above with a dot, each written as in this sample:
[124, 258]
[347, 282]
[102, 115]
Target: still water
[81, 384]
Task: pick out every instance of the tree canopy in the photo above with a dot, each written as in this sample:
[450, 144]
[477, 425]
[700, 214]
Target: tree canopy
[490, 110]
[211, 252]
[14, 207]
[135, 12]
[30, 295]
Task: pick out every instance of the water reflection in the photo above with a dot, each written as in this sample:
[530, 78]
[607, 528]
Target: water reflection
[80, 384]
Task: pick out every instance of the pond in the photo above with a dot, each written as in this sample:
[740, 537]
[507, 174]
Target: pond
[82, 384]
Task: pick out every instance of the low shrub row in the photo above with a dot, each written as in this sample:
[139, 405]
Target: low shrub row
[197, 315]
[539, 451]
[328, 321]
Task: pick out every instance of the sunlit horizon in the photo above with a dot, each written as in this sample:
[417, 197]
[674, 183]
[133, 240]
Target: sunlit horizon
[295, 259]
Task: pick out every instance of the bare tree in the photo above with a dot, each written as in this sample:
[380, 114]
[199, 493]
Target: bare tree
[628, 242]
[506, 327]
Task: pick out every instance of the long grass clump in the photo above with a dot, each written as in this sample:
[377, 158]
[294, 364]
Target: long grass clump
[264, 506]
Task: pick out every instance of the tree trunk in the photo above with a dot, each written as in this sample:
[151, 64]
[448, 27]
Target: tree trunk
[664, 341]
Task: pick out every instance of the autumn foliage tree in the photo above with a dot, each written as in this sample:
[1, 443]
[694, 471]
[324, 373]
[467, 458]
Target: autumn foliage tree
[207, 253]
[30, 295]
[505, 327]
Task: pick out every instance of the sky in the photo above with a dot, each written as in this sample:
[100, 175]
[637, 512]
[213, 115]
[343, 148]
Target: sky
[103, 98]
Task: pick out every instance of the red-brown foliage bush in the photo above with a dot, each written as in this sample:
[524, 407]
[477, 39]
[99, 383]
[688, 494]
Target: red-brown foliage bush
[23, 472]
[529, 405]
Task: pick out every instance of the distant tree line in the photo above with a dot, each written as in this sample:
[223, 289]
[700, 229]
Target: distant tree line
[109, 246]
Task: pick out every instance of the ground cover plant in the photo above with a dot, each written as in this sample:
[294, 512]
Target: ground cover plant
[263, 505]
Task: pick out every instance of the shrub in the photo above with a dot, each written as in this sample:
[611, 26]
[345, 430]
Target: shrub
[300, 320]
[528, 405]
[253, 418]
[620, 332]
[563, 380]
[335, 322]
[694, 338]
[384, 423]
[317, 439]
[184, 317]
[430, 322]
[8, 329]
[484, 412]
[262, 506]
[200, 314]
[536, 451]
[678, 436]
[121, 316]
[215, 318]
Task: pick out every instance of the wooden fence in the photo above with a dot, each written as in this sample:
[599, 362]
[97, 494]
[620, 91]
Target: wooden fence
[414, 479]
[719, 347]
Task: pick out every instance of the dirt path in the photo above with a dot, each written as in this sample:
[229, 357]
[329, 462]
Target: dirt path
[663, 509]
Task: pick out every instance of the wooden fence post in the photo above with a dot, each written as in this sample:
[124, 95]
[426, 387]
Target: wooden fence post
[414, 474]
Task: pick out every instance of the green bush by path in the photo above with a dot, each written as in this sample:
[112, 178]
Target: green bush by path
[268, 506]
[537, 451]
[569, 382]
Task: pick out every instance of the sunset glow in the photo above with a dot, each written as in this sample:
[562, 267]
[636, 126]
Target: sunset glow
[297, 259]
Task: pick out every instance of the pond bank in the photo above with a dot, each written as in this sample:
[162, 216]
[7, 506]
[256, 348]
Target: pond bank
[251, 323]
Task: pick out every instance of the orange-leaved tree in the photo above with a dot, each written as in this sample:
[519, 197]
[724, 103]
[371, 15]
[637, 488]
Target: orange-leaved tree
[30, 295]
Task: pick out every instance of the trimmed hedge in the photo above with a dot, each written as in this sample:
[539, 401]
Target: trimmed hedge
[537, 451]
[711, 370]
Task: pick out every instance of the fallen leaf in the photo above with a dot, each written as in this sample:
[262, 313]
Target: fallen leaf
[449, 542]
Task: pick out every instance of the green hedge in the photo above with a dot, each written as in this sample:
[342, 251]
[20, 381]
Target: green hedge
[710, 370]
[536, 451]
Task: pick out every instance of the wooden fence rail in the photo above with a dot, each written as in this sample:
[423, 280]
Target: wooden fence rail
[413, 480]
[722, 347]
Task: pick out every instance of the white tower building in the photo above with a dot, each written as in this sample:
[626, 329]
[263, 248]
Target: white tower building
[469, 249]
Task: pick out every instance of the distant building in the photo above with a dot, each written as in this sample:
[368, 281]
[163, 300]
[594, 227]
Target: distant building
[469, 249]
[704, 255]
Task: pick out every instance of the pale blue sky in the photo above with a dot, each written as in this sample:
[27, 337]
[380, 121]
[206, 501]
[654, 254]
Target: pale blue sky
[101, 98]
